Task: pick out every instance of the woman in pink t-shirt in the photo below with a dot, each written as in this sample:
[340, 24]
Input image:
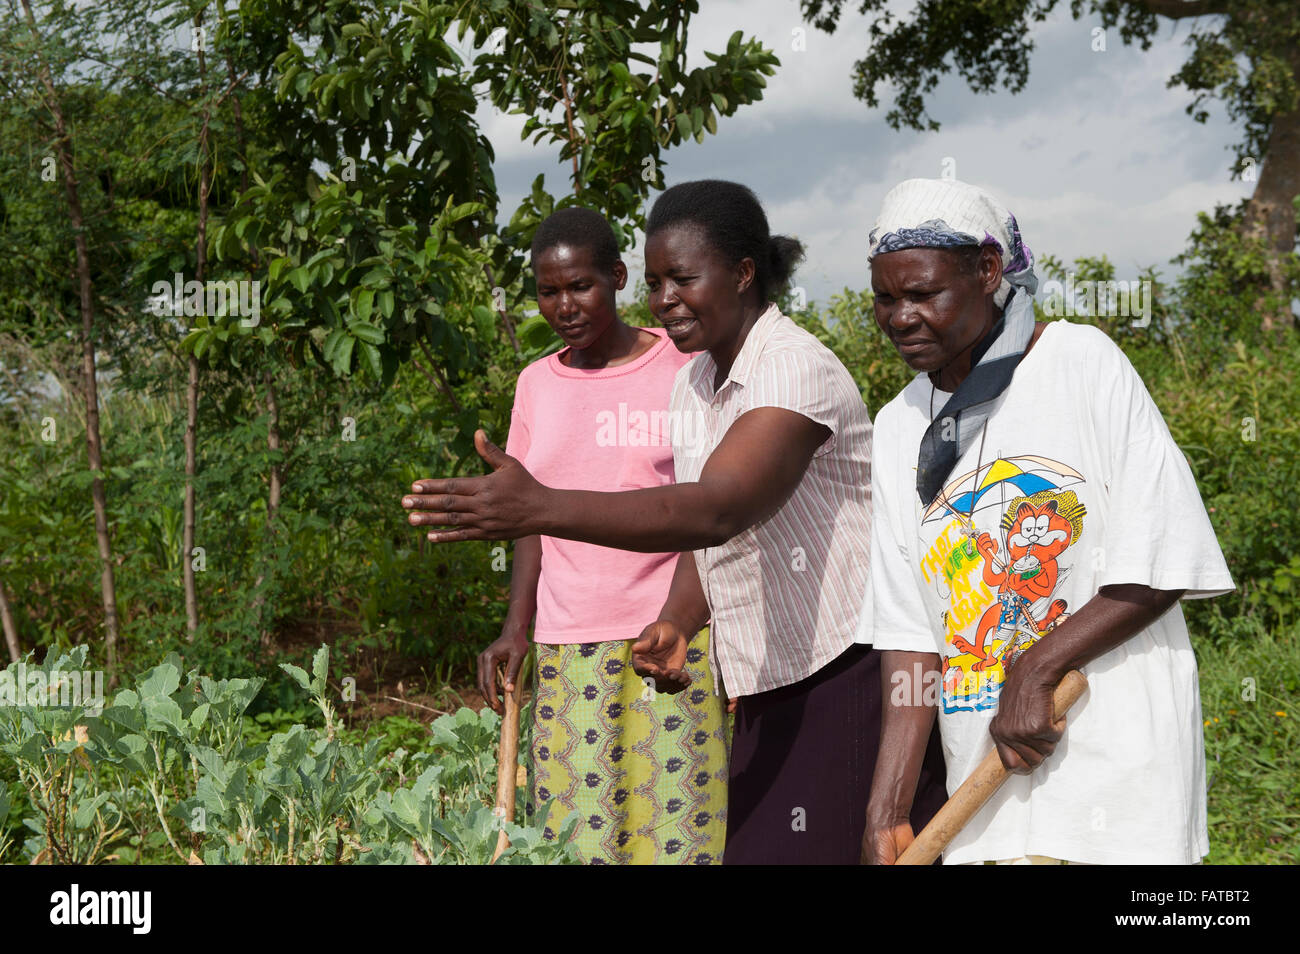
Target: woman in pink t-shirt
[645, 772]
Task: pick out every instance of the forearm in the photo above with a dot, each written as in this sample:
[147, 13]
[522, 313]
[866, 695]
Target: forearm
[686, 604]
[904, 735]
[677, 517]
[525, 573]
[748, 477]
[1113, 616]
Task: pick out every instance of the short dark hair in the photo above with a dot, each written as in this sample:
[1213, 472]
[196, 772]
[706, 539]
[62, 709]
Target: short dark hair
[579, 228]
[734, 223]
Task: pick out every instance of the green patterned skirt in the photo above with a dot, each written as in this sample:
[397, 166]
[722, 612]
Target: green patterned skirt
[646, 772]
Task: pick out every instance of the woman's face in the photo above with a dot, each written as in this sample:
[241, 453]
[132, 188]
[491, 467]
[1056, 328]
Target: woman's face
[694, 291]
[577, 299]
[931, 304]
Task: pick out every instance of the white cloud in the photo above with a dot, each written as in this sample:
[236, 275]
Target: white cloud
[1096, 156]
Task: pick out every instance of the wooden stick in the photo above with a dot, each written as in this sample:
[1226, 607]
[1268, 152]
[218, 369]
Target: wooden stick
[408, 702]
[979, 788]
[507, 767]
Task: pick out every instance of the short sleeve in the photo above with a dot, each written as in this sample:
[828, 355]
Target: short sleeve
[894, 614]
[806, 382]
[679, 423]
[1157, 531]
[520, 438]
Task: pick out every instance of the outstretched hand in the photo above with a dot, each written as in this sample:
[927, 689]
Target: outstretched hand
[504, 505]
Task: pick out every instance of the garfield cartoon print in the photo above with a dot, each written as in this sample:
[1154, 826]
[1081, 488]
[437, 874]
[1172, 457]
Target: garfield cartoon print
[1006, 542]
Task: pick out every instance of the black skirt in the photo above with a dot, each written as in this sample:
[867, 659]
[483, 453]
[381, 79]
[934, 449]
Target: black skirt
[801, 762]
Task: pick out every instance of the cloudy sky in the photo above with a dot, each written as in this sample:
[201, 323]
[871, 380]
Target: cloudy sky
[1096, 156]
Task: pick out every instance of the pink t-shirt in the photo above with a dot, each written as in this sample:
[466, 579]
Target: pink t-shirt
[604, 430]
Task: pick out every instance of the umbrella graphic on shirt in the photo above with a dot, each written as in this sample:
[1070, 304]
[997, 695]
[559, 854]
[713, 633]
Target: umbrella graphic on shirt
[993, 484]
[992, 487]
[988, 486]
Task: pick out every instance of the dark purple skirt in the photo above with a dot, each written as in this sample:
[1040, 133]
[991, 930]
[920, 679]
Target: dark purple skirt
[801, 762]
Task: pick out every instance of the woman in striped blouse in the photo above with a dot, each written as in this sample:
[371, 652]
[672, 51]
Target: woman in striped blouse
[771, 513]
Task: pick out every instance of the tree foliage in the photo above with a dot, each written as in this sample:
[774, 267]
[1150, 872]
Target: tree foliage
[1245, 53]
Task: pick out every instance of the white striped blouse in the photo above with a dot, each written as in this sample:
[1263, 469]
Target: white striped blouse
[785, 594]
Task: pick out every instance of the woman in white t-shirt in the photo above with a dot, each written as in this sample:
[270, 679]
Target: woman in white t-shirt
[1033, 515]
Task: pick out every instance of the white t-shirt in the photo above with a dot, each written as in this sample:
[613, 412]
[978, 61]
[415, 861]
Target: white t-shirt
[1081, 482]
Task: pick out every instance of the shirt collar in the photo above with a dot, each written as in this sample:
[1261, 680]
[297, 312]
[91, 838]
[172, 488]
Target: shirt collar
[705, 369]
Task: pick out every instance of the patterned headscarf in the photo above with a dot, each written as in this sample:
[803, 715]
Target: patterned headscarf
[945, 213]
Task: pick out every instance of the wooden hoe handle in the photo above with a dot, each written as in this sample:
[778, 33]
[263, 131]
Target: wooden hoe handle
[507, 767]
[979, 788]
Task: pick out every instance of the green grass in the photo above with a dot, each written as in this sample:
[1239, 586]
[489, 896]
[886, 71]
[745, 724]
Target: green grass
[1252, 747]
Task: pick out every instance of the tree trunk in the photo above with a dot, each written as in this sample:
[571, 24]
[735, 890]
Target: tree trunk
[273, 444]
[192, 388]
[187, 533]
[273, 493]
[63, 143]
[11, 631]
[1270, 214]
